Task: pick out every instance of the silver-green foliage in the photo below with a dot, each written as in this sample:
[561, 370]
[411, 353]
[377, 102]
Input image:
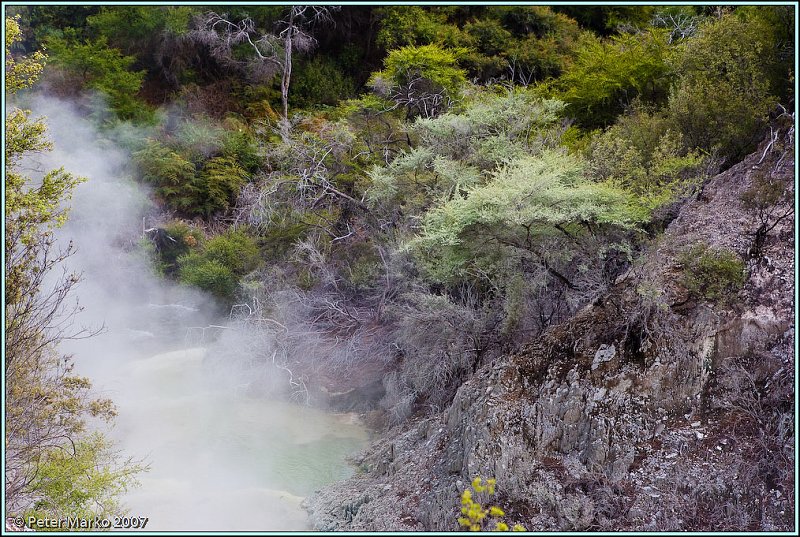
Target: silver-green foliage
[516, 120]
[523, 203]
[458, 151]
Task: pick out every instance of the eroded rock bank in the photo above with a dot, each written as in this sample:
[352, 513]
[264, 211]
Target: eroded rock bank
[651, 409]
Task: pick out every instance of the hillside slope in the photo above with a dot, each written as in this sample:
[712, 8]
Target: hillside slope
[649, 410]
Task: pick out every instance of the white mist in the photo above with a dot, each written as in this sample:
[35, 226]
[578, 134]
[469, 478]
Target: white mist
[220, 458]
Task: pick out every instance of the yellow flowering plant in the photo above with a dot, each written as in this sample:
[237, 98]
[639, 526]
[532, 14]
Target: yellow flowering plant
[475, 516]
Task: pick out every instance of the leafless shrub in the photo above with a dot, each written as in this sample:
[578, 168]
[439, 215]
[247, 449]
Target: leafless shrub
[680, 25]
[419, 96]
[399, 399]
[302, 180]
[440, 341]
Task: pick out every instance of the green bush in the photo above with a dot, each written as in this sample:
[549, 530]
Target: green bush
[607, 75]
[712, 274]
[239, 143]
[538, 21]
[406, 25]
[217, 185]
[282, 233]
[722, 99]
[170, 172]
[641, 154]
[776, 28]
[219, 264]
[133, 28]
[209, 275]
[363, 265]
[490, 37]
[425, 80]
[319, 81]
[79, 480]
[182, 187]
[524, 203]
[95, 65]
[234, 249]
[764, 194]
[457, 151]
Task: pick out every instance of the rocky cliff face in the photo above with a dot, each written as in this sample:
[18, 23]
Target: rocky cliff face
[651, 409]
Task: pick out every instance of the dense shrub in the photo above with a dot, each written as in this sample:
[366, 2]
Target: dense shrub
[92, 64]
[209, 275]
[440, 339]
[529, 200]
[239, 143]
[776, 28]
[721, 99]
[133, 28]
[712, 274]
[178, 182]
[455, 151]
[641, 154]
[607, 75]
[407, 25]
[424, 80]
[218, 265]
[217, 185]
[169, 172]
[319, 81]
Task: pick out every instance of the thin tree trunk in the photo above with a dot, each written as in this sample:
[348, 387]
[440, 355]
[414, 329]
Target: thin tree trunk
[287, 67]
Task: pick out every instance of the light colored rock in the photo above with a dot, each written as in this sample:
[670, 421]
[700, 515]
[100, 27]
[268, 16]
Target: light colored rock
[605, 353]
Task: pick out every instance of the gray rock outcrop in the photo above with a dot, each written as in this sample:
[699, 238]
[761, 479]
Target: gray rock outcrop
[633, 415]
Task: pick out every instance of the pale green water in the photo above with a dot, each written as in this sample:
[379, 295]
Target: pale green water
[222, 461]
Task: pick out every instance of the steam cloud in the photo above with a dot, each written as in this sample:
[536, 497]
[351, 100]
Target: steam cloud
[220, 459]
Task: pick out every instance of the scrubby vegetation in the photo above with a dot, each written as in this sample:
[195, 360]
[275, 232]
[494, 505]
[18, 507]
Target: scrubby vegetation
[712, 275]
[430, 186]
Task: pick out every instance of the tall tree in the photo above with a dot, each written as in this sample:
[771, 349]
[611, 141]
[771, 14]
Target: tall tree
[273, 50]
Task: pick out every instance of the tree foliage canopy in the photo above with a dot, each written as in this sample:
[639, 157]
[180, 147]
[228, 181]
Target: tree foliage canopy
[525, 201]
[424, 79]
[721, 98]
[608, 74]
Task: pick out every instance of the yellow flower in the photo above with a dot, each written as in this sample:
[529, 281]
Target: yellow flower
[518, 527]
[476, 484]
[501, 526]
[496, 511]
[475, 512]
[475, 527]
